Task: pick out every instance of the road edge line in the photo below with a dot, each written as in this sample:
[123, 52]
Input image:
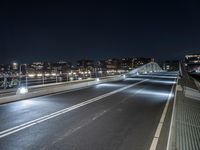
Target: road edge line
[172, 118]
[161, 121]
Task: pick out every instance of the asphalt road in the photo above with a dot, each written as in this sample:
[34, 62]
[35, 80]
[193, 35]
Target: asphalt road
[121, 115]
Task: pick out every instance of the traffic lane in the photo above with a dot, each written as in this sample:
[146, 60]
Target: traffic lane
[157, 77]
[16, 113]
[165, 73]
[121, 121]
[130, 124]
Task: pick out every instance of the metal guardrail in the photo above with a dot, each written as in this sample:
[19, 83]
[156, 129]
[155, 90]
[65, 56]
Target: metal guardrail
[12, 91]
[7, 82]
[56, 89]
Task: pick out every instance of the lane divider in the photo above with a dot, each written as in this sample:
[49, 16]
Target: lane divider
[63, 111]
[160, 124]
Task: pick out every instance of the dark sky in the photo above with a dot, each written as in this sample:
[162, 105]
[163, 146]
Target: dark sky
[70, 30]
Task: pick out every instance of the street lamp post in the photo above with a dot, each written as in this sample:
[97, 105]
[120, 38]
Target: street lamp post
[20, 69]
[26, 81]
[43, 78]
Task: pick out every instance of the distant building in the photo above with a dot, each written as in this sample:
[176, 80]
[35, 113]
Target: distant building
[2, 68]
[171, 65]
[15, 66]
[139, 61]
[194, 59]
[127, 63]
[192, 62]
[112, 64]
[85, 65]
[124, 64]
[61, 66]
[108, 66]
[37, 65]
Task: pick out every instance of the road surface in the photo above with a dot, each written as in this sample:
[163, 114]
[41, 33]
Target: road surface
[120, 115]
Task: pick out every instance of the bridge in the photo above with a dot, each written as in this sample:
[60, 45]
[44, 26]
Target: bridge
[133, 111]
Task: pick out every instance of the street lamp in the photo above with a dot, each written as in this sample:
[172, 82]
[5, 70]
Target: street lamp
[15, 64]
[22, 90]
[124, 76]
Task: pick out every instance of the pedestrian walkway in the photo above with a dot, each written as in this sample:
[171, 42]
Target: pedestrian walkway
[185, 127]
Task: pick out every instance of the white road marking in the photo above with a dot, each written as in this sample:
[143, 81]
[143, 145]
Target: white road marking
[63, 111]
[160, 124]
[172, 117]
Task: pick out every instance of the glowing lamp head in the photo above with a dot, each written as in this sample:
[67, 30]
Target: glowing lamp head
[31, 75]
[39, 75]
[23, 90]
[53, 74]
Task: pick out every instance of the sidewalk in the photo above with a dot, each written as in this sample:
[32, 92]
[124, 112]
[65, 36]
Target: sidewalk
[185, 129]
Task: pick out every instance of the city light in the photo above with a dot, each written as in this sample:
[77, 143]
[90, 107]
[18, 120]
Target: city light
[53, 74]
[39, 75]
[47, 74]
[14, 64]
[31, 75]
[97, 79]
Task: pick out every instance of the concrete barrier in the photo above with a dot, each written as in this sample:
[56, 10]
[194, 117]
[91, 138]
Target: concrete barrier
[56, 89]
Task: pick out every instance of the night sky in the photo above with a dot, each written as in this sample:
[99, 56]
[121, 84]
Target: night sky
[70, 30]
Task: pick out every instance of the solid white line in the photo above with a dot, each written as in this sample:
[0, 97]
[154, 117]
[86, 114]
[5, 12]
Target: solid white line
[60, 112]
[160, 124]
[172, 118]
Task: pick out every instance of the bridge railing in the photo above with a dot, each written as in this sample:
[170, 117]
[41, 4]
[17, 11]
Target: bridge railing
[147, 68]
